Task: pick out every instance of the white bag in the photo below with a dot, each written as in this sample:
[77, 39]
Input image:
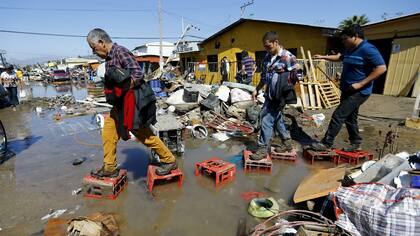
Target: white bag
[22, 94]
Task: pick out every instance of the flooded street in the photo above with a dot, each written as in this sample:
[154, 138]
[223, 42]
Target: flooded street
[41, 177]
[42, 89]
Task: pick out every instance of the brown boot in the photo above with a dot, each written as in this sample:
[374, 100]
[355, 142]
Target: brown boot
[102, 173]
[166, 168]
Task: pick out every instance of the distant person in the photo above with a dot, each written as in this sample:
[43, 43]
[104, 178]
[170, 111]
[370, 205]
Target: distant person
[224, 69]
[19, 75]
[134, 105]
[278, 65]
[362, 64]
[248, 68]
[10, 82]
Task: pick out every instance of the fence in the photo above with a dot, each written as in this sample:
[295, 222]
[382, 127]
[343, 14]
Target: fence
[210, 72]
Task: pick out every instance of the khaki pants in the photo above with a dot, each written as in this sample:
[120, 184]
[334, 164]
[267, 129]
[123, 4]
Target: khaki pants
[110, 139]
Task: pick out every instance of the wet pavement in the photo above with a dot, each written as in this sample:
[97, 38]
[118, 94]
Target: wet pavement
[41, 177]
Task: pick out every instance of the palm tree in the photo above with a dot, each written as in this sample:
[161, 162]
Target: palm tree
[360, 20]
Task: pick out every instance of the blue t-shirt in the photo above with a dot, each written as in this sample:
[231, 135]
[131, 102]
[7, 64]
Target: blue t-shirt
[358, 64]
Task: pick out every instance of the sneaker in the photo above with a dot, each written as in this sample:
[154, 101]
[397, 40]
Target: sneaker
[259, 154]
[288, 145]
[353, 148]
[101, 173]
[320, 146]
[166, 168]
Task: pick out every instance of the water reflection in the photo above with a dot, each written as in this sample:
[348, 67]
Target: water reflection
[75, 88]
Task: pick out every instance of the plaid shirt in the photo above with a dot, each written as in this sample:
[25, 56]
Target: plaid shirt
[285, 61]
[122, 58]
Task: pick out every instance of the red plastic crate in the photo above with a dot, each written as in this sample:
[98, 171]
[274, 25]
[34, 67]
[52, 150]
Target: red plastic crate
[353, 157]
[288, 156]
[108, 188]
[316, 155]
[224, 171]
[265, 164]
[152, 176]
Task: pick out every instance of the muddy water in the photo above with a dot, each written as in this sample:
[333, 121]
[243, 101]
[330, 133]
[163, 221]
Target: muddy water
[41, 177]
[40, 89]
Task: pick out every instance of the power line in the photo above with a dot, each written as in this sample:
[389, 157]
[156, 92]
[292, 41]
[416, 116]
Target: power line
[188, 18]
[75, 9]
[84, 36]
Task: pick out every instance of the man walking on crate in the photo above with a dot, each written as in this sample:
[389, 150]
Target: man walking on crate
[278, 66]
[134, 105]
[362, 64]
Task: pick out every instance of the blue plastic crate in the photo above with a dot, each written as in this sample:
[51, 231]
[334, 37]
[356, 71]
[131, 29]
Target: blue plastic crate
[415, 181]
[161, 94]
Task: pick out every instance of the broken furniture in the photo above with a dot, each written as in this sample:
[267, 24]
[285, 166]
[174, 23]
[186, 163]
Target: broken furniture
[265, 164]
[287, 155]
[169, 130]
[352, 157]
[223, 171]
[317, 90]
[105, 187]
[221, 123]
[152, 177]
[313, 155]
[319, 184]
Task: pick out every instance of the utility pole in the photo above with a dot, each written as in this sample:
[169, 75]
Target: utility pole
[244, 6]
[160, 35]
[182, 24]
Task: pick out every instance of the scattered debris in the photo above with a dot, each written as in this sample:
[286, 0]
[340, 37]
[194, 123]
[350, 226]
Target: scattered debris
[54, 214]
[76, 191]
[96, 224]
[199, 131]
[318, 119]
[79, 161]
[221, 136]
[263, 207]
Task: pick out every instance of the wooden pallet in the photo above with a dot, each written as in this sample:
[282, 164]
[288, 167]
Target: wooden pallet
[310, 99]
[316, 92]
[328, 94]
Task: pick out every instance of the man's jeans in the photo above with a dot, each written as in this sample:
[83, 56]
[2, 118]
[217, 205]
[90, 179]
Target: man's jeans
[13, 96]
[347, 113]
[271, 118]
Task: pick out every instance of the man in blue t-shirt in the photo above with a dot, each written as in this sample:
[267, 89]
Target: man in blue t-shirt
[362, 64]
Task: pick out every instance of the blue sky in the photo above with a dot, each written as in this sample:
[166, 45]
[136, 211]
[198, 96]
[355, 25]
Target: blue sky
[138, 18]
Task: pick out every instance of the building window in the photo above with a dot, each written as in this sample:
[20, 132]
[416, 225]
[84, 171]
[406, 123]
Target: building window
[212, 60]
[259, 60]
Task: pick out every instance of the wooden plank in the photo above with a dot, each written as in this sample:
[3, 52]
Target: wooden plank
[302, 95]
[319, 184]
[308, 72]
[318, 95]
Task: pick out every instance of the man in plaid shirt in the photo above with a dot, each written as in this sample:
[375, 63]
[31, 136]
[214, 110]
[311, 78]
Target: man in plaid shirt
[119, 57]
[278, 64]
